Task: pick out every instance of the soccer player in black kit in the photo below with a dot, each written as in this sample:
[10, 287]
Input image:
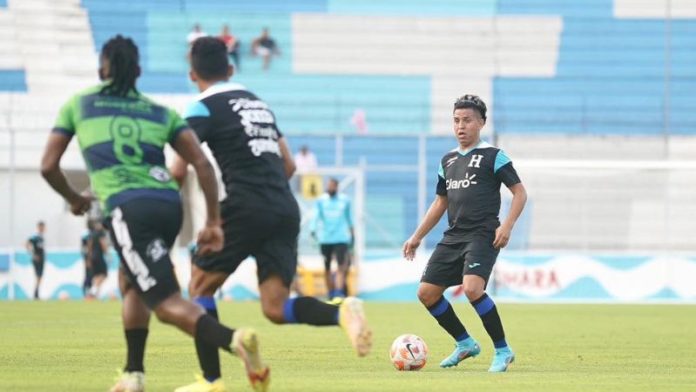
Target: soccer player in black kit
[468, 188]
[260, 215]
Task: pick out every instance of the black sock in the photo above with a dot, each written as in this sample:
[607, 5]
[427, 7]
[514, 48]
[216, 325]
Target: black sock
[309, 310]
[444, 314]
[135, 340]
[208, 355]
[486, 309]
[212, 332]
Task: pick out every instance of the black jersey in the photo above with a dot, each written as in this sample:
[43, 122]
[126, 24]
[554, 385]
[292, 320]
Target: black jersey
[471, 181]
[37, 247]
[241, 131]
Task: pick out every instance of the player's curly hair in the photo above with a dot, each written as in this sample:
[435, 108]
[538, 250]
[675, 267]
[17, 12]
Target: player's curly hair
[122, 55]
[473, 102]
[209, 58]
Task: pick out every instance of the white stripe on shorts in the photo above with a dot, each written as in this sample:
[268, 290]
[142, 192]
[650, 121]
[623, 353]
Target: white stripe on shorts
[133, 260]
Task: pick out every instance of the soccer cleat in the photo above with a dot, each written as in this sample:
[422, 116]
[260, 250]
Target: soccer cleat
[351, 316]
[246, 344]
[502, 359]
[336, 301]
[467, 348]
[203, 385]
[129, 382]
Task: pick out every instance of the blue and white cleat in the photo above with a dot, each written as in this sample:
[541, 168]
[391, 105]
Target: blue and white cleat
[502, 359]
[467, 348]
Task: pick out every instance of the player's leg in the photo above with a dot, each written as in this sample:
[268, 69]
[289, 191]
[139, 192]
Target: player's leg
[208, 274]
[479, 262]
[143, 232]
[341, 251]
[136, 319]
[38, 272]
[276, 260]
[202, 288]
[443, 270]
[327, 252]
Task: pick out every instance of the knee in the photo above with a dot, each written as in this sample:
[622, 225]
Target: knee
[274, 313]
[427, 297]
[473, 292]
[164, 315]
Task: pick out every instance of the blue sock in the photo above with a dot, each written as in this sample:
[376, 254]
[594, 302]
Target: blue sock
[488, 312]
[309, 310]
[445, 316]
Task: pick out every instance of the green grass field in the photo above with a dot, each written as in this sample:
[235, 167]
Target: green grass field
[77, 346]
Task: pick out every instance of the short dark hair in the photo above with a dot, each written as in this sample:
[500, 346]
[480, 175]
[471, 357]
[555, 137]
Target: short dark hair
[470, 101]
[209, 58]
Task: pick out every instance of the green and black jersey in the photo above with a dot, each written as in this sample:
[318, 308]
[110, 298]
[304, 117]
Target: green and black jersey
[122, 141]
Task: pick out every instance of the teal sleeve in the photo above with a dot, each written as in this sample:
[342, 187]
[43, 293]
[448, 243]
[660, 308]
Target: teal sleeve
[501, 159]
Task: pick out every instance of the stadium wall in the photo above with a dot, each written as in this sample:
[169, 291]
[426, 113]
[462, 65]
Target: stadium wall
[519, 277]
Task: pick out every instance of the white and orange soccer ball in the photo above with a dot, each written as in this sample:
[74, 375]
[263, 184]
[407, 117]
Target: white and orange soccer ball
[408, 352]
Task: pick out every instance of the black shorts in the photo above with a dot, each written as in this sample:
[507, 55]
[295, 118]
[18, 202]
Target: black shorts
[99, 266]
[269, 237]
[38, 267]
[450, 262]
[143, 231]
[341, 252]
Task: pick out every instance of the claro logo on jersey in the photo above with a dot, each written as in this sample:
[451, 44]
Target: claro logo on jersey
[468, 181]
[258, 124]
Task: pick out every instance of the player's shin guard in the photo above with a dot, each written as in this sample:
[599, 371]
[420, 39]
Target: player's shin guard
[135, 341]
[309, 310]
[208, 355]
[210, 331]
[486, 309]
[444, 314]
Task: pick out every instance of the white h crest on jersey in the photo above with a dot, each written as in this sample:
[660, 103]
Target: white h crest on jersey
[475, 161]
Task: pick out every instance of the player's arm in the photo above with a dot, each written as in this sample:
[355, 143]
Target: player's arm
[104, 244]
[519, 198]
[186, 144]
[435, 212]
[179, 170]
[51, 172]
[288, 160]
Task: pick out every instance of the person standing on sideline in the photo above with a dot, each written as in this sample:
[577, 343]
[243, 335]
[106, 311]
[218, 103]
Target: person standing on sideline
[332, 227]
[35, 247]
[468, 188]
[97, 251]
[122, 135]
[84, 251]
[261, 217]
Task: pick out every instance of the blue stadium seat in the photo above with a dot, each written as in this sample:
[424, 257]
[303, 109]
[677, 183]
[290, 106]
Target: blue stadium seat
[12, 80]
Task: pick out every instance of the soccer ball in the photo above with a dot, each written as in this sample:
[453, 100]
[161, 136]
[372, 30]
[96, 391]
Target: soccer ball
[408, 352]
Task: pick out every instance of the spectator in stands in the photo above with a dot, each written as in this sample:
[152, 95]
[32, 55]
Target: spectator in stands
[196, 32]
[232, 44]
[306, 161]
[266, 47]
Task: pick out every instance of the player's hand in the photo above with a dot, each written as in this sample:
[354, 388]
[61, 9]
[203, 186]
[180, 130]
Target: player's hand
[502, 236]
[410, 247]
[210, 240]
[81, 204]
